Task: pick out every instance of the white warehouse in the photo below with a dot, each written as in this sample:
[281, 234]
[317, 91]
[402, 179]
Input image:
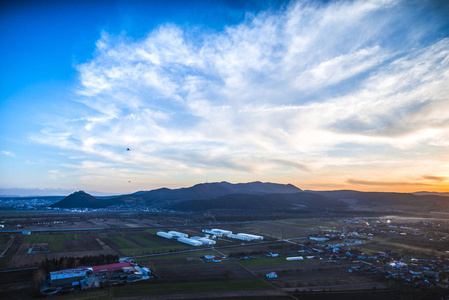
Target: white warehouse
[204, 240]
[217, 232]
[245, 237]
[164, 235]
[189, 241]
[177, 234]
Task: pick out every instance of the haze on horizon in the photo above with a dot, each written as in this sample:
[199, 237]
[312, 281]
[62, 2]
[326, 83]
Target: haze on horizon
[321, 94]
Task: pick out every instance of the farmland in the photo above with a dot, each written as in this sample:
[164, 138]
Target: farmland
[183, 269]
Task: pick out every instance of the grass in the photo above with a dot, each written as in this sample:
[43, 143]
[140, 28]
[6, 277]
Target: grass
[123, 243]
[3, 239]
[192, 287]
[55, 241]
[79, 236]
[270, 261]
[297, 224]
[180, 255]
[145, 241]
[102, 235]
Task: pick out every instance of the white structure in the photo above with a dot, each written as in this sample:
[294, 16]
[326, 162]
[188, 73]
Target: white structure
[189, 241]
[318, 239]
[177, 234]
[165, 235]
[245, 237]
[204, 240]
[294, 258]
[217, 232]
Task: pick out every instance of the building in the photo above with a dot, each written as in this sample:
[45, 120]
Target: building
[177, 234]
[245, 237]
[165, 235]
[190, 242]
[204, 240]
[217, 232]
[70, 277]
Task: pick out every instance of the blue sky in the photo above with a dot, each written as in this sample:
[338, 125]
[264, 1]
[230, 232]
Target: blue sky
[321, 94]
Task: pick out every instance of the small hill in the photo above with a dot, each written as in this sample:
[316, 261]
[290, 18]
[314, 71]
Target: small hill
[81, 199]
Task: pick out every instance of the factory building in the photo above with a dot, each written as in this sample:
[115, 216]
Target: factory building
[70, 277]
[217, 232]
[177, 234]
[165, 235]
[189, 241]
[89, 277]
[245, 237]
[204, 240]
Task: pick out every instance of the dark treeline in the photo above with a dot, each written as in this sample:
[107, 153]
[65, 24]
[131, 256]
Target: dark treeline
[65, 262]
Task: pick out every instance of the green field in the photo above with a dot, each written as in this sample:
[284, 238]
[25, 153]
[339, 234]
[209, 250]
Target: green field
[3, 239]
[270, 261]
[181, 255]
[145, 241]
[123, 243]
[192, 287]
[55, 241]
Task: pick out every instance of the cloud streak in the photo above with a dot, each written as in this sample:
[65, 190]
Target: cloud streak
[281, 90]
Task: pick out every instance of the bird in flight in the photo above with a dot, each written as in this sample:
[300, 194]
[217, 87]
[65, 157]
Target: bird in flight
[127, 149]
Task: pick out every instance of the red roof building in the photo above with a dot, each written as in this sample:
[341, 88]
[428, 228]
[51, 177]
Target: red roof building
[111, 267]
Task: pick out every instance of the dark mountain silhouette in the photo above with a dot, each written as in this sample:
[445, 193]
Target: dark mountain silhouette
[386, 201]
[216, 189]
[164, 196]
[299, 201]
[81, 199]
[260, 195]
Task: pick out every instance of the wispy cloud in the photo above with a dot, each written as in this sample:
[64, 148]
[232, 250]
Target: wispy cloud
[282, 89]
[8, 153]
[434, 178]
[385, 183]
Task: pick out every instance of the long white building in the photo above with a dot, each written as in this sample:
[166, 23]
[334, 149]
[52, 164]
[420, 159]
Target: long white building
[165, 235]
[189, 241]
[177, 234]
[217, 232]
[204, 240]
[245, 237]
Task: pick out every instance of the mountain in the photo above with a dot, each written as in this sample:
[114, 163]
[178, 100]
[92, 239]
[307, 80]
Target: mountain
[164, 197]
[82, 199]
[288, 201]
[382, 201]
[259, 196]
[216, 189]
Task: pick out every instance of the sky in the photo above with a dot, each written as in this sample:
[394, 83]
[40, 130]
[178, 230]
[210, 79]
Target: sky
[324, 95]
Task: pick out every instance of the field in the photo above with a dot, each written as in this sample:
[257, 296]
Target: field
[183, 271]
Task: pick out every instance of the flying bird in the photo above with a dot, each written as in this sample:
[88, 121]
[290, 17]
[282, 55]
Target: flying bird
[127, 149]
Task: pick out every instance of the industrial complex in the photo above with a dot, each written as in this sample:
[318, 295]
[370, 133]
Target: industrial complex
[88, 277]
[209, 238]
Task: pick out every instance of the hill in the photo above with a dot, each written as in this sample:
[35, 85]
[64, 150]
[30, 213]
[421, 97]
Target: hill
[299, 201]
[81, 199]
[381, 201]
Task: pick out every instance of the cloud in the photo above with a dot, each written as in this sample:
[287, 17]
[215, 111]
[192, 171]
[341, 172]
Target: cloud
[283, 89]
[434, 178]
[8, 153]
[384, 183]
